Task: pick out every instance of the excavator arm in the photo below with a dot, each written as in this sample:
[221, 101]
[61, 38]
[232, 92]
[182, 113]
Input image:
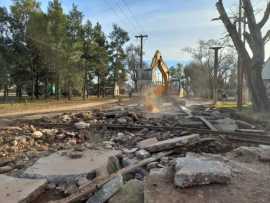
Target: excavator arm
[158, 63]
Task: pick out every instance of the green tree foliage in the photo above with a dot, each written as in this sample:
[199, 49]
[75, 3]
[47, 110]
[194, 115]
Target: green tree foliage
[52, 53]
[56, 31]
[119, 38]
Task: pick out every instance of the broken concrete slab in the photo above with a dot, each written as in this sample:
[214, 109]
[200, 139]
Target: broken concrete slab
[107, 190]
[157, 175]
[131, 192]
[251, 154]
[59, 167]
[246, 154]
[5, 169]
[146, 143]
[13, 190]
[195, 171]
[226, 124]
[172, 143]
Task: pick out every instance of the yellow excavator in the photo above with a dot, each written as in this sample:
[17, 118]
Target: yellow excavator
[161, 87]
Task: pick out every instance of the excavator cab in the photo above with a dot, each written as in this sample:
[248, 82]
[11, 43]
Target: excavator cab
[160, 87]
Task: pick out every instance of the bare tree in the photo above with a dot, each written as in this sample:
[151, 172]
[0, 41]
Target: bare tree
[133, 62]
[203, 65]
[252, 62]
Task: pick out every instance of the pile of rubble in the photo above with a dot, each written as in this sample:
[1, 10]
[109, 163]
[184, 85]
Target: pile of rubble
[113, 154]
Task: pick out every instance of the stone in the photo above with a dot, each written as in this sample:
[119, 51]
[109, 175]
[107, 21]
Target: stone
[122, 120]
[246, 154]
[75, 155]
[251, 154]
[4, 162]
[51, 186]
[131, 192]
[5, 169]
[81, 125]
[107, 190]
[120, 138]
[172, 143]
[37, 134]
[113, 165]
[66, 118]
[108, 144]
[58, 168]
[61, 136]
[165, 160]
[70, 189]
[158, 175]
[152, 165]
[83, 181]
[195, 171]
[142, 154]
[226, 124]
[129, 151]
[146, 143]
[13, 190]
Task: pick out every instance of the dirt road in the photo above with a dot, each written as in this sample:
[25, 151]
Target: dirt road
[7, 119]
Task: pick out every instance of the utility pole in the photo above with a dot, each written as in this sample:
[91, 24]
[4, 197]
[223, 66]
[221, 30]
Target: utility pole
[141, 37]
[215, 95]
[240, 73]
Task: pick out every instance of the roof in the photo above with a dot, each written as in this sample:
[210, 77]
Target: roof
[266, 70]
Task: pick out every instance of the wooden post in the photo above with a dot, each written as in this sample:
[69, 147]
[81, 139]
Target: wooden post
[215, 88]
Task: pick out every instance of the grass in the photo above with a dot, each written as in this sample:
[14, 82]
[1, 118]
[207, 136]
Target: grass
[230, 105]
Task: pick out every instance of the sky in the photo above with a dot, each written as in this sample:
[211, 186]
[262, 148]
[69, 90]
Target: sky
[171, 25]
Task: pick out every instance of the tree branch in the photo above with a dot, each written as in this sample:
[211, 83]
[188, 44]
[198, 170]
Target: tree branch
[250, 41]
[251, 20]
[267, 37]
[232, 31]
[265, 17]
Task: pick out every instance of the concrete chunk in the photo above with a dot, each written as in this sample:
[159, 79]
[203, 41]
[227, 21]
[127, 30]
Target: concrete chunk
[107, 190]
[17, 190]
[59, 167]
[142, 154]
[146, 143]
[131, 192]
[171, 143]
[194, 171]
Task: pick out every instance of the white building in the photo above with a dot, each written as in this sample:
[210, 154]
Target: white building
[266, 76]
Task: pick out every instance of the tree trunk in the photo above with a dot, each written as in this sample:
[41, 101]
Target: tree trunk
[258, 91]
[69, 90]
[33, 84]
[46, 93]
[5, 92]
[98, 86]
[253, 64]
[85, 83]
[58, 86]
[37, 86]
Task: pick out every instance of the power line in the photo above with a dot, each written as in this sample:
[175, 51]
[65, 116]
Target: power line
[128, 17]
[132, 14]
[118, 16]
